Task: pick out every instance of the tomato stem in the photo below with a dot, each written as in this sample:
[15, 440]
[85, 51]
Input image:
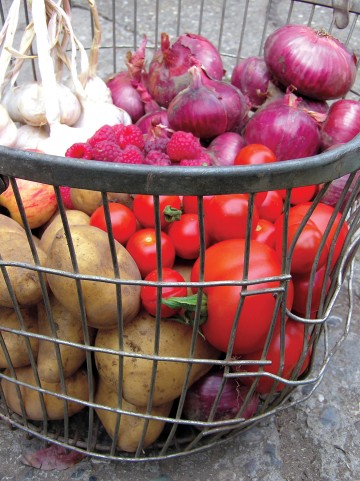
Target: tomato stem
[188, 304]
[171, 213]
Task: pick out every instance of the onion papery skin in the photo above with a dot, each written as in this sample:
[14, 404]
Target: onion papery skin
[342, 123]
[168, 70]
[252, 77]
[207, 107]
[148, 121]
[201, 395]
[290, 132]
[315, 63]
[224, 148]
[125, 96]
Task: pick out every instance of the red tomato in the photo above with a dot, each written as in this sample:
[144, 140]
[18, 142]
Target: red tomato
[253, 154]
[142, 247]
[225, 261]
[293, 349]
[302, 290]
[190, 203]
[144, 210]
[228, 217]
[305, 248]
[149, 293]
[185, 235]
[265, 232]
[123, 221]
[272, 206]
[321, 218]
[300, 194]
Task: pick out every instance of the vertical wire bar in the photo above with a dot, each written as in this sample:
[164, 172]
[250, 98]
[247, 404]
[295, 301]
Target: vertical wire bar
[114, 49]
[178, 24]
[242, 31]
[201, 16]
[222, 20]
[157, 16]
[135, 24]
[27, 19]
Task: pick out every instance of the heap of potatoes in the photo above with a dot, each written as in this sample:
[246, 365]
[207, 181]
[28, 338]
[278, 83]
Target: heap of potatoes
[87, 340]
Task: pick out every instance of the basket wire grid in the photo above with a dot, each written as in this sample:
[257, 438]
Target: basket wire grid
[83, 431]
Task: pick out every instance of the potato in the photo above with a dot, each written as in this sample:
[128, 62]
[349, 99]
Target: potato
[67, 328]
[74, 217]
[139, 338]
[94, 258]
[16, 344]
[184, 267]
[89, 200]
[10, 225]
[76, 386]
[14, 247]
[131, 427]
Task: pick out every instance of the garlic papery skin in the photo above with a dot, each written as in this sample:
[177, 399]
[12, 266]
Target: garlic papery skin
[96, 114]
[61, 138]
[29, 137]
[97, 90]
[8, 129]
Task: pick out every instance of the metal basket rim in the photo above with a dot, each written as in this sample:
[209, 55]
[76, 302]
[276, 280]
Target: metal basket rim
[107, 176]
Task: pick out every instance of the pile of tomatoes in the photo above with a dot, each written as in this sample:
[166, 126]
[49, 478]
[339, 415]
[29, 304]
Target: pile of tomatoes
[258, 281]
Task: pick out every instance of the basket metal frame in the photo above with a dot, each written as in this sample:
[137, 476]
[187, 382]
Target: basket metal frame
[106, 177]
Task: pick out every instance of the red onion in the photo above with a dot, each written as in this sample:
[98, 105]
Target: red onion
[224, 148]
[315, 63]
[148, 121]
[127, 89]
[287, 130]
[253, 78]
[201, 395]
[207, 107]
[341, 124]
[168, 69]
[312, 105]
[336, 189]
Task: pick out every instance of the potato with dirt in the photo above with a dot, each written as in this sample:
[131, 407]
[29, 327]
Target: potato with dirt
[54, 357]
[20, 347]
[94, 259]
[76, 386]
[25, 281]
[130, 427]
[139, 338]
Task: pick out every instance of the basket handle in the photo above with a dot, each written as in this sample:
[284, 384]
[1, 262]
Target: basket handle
[341, 12]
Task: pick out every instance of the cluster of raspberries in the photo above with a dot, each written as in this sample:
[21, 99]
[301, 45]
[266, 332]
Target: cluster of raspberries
[126, 144]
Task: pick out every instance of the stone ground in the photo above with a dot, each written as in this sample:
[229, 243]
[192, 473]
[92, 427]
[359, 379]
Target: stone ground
[318, 440]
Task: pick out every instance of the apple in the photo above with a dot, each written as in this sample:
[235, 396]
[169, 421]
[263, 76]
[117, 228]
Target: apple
[39, 201]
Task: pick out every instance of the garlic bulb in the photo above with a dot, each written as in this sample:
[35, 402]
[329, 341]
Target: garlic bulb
[8, 130]
[26, 104]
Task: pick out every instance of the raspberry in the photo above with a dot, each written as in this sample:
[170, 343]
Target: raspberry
[80, 150]
[183, 145]
[104, 133]
[155, 157]
[66, 197]
[201, 161]
[106, 151]
[130, 135]
[156, 143]
[130, 155]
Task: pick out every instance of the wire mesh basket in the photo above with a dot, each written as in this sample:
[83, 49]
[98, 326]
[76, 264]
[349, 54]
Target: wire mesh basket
[113, 406]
